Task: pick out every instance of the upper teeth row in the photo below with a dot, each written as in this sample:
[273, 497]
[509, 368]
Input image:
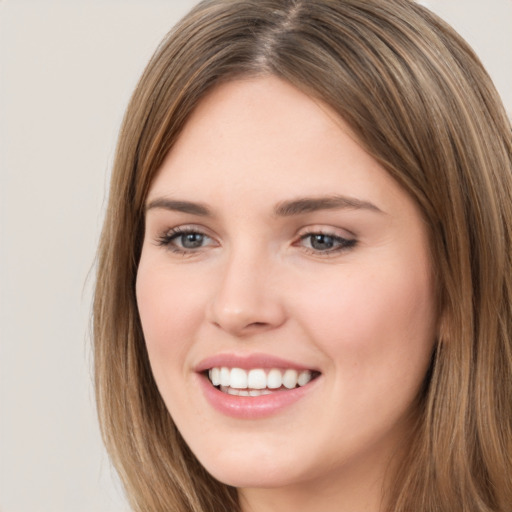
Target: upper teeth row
[258, 378]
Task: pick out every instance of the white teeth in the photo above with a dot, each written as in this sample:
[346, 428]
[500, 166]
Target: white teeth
[224, 376]
[304, 378]
[262, 392]
[257, 381]
[215, 376]
[243, 392]
[274, 379]
[238, 378]
[258, 392]
[290, 379]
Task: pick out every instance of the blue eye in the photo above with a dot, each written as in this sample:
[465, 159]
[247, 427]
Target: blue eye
[326, 243]
[184, 240]
[189, 240]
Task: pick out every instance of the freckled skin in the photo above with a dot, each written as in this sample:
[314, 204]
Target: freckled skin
[363, 315]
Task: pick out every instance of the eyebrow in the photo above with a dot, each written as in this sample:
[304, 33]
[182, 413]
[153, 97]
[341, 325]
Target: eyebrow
[312, 204]
[179, 206]
[289, 208]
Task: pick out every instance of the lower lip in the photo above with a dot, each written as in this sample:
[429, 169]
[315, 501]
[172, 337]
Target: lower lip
[253, 407]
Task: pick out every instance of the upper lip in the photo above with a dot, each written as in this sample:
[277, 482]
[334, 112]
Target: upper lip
[248, 361]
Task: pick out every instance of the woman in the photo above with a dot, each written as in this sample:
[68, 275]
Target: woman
[304, 296]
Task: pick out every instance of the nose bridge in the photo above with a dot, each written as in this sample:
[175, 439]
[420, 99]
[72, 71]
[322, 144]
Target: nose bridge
[246, 298]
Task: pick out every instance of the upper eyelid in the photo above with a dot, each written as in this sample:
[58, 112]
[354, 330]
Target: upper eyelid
[187, 228]
[326, 230]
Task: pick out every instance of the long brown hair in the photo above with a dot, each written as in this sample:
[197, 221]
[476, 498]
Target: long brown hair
[420, 103]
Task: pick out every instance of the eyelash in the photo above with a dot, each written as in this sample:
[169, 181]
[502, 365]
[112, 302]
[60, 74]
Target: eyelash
[168, 238]
[343, 244]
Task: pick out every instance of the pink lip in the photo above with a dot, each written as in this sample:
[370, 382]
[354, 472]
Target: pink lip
[247, 362]
[252, 407]
[255, 407]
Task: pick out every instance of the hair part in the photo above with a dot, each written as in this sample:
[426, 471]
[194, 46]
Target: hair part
[419, 101]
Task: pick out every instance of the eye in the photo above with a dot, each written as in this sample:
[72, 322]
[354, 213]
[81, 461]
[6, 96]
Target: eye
[189, 240]
[185, 240]
[326, 243]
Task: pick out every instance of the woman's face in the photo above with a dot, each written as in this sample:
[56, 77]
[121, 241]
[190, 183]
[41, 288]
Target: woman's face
[285, 261]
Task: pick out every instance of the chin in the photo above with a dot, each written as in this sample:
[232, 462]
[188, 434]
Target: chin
[251, 477]
[243, 469]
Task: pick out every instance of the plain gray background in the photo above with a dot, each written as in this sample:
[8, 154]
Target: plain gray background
[67, 69]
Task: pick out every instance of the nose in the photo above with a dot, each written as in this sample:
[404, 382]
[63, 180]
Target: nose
[247, 299]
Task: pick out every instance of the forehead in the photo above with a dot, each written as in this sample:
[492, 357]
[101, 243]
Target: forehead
[264, 137]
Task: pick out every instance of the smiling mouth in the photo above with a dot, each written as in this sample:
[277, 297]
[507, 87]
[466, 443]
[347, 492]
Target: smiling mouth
[258, 381]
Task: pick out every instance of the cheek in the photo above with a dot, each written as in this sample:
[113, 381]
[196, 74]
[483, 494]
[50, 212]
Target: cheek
[377, 331]
[170, 309]
[373, 320]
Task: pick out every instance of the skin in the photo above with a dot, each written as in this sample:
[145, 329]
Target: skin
[364, 316]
